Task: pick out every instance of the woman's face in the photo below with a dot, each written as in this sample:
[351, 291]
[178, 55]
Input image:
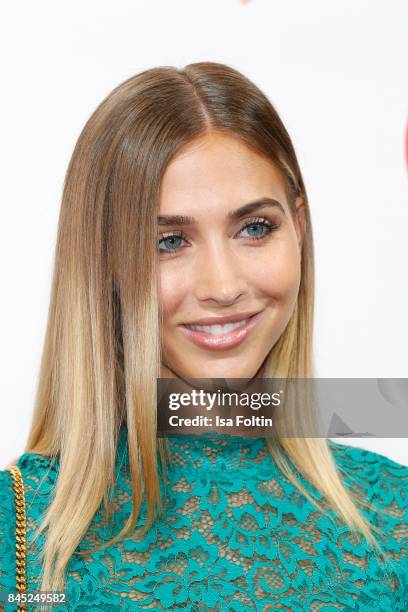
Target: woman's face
[229, 258]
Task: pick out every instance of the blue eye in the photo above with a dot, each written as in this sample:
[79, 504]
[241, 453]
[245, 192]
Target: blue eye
[256, 226]
[258, 229]
[171, 241]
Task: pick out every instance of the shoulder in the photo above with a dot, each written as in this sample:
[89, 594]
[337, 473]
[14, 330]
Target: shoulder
[39, 474]
[384, 480]
[361, 458]
[35, 469]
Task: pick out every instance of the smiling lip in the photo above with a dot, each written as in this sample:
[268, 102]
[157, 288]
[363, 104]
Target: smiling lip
[221, 342]
[240, 316]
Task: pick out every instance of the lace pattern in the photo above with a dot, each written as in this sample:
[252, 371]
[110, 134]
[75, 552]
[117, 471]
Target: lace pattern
[236, 535]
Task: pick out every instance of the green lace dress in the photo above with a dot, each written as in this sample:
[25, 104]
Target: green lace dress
[236, 535]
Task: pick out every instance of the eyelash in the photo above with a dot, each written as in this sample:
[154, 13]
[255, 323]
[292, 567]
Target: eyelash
[268, 225]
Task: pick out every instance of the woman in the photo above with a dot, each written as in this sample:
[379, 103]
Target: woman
[119, 518]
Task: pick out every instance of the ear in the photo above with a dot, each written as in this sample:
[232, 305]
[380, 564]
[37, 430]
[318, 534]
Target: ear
[300, 219]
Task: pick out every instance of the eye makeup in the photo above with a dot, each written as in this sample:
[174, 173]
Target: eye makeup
[268, 227]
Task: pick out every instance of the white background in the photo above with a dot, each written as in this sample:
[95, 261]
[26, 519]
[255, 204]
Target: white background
[336, 72]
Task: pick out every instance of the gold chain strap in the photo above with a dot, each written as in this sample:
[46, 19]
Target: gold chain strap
[21, 550]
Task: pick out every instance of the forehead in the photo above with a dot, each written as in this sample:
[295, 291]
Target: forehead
[217, 172]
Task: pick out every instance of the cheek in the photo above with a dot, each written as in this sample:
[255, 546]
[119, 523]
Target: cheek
[276, 272]
[173, 287]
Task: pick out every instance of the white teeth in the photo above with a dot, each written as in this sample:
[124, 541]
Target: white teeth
[217, 330]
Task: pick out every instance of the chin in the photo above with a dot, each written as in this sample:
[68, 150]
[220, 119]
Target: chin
[224, 371]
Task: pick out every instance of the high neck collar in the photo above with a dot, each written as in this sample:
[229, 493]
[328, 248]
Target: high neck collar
[213, 452]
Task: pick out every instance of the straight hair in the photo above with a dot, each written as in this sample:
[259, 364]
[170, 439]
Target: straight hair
[102, 350]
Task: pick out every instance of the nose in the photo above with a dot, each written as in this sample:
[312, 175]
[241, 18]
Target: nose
[219, 276]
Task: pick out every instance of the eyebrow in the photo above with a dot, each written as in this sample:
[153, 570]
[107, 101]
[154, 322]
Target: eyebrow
[233, 215]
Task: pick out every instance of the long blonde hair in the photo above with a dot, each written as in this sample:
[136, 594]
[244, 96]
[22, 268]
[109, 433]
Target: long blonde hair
[102, 353]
